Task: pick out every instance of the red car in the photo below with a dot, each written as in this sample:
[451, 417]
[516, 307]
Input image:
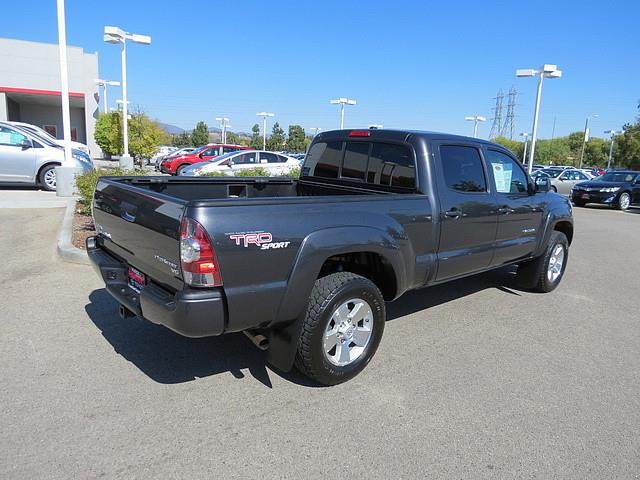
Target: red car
[174, 165]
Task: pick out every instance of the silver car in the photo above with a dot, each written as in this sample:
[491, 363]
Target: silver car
[562, 181]
[30, 159]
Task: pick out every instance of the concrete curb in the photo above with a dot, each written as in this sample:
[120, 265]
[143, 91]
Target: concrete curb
[65, 247]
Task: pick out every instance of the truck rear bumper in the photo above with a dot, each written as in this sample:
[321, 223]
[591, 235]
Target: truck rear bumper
[190, 312]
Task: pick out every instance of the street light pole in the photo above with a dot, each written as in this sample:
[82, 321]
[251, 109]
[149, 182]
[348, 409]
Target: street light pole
[586, 137]
[613, 134]
[65, 174]
[117, 35]
[104, 84]
[223, 127]
[546, 71]
[342, 102]
[475, 119]
[264, 116]
[315, 130]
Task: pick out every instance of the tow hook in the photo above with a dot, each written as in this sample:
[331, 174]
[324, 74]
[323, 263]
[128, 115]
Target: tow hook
[125, 312]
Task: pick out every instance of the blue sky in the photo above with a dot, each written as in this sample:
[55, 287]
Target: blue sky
[409, 64]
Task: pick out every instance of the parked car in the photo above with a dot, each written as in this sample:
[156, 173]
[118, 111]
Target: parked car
[27, 158]
[619, 189]
[235, 162]
[43, 133]
[176, 153]
[304, 266]
[563, 180]
[174, 166]
[162, 151]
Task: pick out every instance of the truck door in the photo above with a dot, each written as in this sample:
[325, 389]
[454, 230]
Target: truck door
[519, 213]
[468, 212]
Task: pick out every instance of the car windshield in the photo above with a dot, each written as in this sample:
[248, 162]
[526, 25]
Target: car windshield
[552, 172]
[36, 136]
[39, 131]
[617, 177]
[198, 150]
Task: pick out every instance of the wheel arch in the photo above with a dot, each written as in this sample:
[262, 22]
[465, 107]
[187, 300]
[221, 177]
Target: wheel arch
[42, 167]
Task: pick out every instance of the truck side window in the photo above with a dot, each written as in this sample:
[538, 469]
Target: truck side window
[324, 159]
[508, 177]
[391, 165]
[355, 160]
[462, 168]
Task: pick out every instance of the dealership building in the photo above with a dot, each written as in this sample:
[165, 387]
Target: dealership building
[30, 88]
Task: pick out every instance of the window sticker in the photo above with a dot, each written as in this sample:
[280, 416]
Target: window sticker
[502, 174]
[5, 138]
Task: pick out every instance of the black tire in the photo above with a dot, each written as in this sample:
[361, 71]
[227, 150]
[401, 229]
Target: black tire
[328, 294]
[553, 189]
[533, 274]
[622, 205]
[44, 178]
[579, 204]
[181, 168]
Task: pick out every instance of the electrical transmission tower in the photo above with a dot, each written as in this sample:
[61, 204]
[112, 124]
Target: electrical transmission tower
[508, 126]
[496, 126]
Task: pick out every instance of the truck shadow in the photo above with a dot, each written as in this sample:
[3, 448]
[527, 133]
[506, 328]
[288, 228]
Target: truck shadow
[503, 279]
[169, 358]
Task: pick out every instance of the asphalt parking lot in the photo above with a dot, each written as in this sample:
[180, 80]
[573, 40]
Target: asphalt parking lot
[473, 379]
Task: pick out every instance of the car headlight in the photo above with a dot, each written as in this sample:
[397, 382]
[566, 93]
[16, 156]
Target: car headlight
[610, 189]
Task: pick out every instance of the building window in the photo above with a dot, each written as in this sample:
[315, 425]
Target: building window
[51, 130]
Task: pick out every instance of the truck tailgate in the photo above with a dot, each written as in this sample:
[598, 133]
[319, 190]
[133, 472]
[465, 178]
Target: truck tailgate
[141, 227]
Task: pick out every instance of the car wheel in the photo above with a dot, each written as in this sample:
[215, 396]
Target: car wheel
[47, 178]
[181, 168]
[579, 204]
[342, 328]
[624, 201]
[554, 189]
[544, 273]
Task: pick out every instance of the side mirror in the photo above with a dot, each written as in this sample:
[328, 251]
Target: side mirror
[542, 184]
[230, 163]
[26, 143]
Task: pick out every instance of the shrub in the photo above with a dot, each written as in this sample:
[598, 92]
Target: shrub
[253, 172]
[86, 183]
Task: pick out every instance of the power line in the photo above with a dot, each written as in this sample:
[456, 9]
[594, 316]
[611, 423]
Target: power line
[508, 127]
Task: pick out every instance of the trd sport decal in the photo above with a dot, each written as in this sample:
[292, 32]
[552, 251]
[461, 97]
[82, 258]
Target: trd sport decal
[263, 240]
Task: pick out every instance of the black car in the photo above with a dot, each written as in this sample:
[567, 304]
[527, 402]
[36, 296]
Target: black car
[620, 189]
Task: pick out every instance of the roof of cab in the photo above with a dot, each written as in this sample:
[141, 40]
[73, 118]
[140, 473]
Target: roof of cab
[397, 135]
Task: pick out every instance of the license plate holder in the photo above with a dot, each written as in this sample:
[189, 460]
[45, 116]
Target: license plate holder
[137, 279]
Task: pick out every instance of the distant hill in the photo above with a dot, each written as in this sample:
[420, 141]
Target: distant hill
[171, 129]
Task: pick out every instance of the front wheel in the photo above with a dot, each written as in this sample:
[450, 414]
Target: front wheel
[342, 328]
[181, 168]
[554, 189]
[48, 178]
[579, 204]
[544, 273]
[624, 201]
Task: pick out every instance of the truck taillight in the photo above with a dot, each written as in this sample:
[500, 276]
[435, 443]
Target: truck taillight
[197, 256]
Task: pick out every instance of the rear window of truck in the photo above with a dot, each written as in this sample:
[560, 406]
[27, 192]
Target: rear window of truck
[375, 163]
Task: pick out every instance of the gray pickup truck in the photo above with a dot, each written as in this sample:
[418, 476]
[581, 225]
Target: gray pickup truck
[304, 266]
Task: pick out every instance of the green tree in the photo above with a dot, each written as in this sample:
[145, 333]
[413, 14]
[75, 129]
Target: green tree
[552, 152]
[596, 152]
[108, 133]
[233, 138]
[296, 140]
[145, 135]
[276, 141]
[256, 139]
[626, 150]
[181, 140]
[200, 135]
[516, 147]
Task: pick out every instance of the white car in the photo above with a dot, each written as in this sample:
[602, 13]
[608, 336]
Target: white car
[162, 151]
[43, 133]
[234, 162]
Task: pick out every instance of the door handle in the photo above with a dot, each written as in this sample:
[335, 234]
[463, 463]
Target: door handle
[453, 213]
[505, 210]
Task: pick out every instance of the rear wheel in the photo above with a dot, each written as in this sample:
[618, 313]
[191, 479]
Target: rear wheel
[342, 328]
[47, 178]
[579, 204]
[544, 273]
[624, 201]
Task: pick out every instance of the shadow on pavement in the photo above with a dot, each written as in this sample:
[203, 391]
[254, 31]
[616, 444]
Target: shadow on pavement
[166, 357]
[503, 279]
